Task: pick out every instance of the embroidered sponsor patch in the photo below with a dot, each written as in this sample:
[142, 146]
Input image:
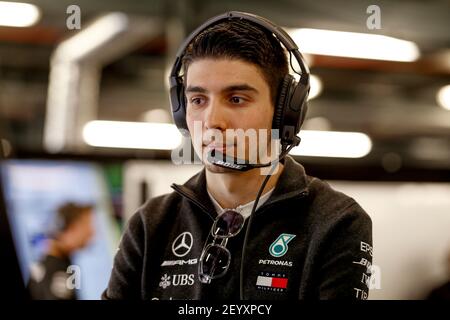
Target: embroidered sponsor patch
[182, 244]
[271, 281]
[279, 247]
[176, 280]
[283, 263]
[166, 263]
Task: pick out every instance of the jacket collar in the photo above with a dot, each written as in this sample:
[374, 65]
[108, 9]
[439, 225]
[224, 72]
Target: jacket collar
[292, 182]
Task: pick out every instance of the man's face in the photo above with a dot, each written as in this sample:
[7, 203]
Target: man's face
[226, 94]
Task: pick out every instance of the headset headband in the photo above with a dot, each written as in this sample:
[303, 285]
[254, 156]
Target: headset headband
[281, 35]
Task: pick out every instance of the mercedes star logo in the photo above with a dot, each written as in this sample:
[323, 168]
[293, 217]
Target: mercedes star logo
[182, 244]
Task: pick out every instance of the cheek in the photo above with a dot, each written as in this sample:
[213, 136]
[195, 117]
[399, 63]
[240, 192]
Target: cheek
[194, 121]
[268, 116]
[191, 117]
[260, 119]
[195, 130]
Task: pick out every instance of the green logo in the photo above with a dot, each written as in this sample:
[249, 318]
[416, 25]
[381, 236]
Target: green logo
[280, 246]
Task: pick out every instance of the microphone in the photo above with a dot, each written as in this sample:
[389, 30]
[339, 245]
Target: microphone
[225, 161]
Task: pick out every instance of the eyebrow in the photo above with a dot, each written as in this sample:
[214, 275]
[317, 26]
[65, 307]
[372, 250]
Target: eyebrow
[237, 87]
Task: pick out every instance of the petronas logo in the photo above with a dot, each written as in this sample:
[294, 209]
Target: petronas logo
[280, 246]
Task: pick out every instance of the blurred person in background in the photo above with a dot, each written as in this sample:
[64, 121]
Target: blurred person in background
[73, 231]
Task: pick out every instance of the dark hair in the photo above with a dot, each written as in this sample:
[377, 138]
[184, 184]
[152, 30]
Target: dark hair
[243, 40]
[68, 213]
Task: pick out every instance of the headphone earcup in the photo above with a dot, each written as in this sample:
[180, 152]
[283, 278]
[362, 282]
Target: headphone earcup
[182, 99]
[178, 104]
[281, 102]
[291, 108]
[299, 102]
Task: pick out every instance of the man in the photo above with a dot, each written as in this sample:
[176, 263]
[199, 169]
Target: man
[306, 240]
[72, 231]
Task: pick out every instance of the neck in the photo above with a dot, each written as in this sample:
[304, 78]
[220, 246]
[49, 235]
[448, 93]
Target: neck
[232, 189]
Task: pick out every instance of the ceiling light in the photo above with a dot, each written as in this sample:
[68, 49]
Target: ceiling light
[165, 136]
[443, 97]
[333, 144]
[135, 135]
[354, 45]
[316, 86]
[17, 14]
[93, 37]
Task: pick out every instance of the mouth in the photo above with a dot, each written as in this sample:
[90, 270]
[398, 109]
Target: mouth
[220, 148]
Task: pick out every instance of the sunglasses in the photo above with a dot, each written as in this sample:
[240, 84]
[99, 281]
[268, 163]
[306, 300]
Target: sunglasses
[215, 258]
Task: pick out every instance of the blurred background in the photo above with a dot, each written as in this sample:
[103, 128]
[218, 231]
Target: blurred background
[84, 116]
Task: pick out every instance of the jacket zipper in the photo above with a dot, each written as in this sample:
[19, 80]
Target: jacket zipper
[263, 208]
[195, 201]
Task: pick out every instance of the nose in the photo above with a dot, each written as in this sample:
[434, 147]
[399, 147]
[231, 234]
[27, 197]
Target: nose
[215, 116]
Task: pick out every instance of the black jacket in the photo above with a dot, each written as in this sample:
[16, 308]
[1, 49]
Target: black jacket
[328, 254]
[49, 279]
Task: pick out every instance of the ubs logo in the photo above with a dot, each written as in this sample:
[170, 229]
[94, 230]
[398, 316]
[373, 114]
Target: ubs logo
[182, 244]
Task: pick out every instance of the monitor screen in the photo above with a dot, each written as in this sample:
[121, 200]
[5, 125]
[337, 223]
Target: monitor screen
[34, 190]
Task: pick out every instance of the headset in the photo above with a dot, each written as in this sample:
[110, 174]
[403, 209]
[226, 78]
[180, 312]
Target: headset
[289, 114]
[291, 105]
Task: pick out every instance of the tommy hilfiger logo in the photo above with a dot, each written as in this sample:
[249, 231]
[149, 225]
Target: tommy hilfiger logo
[279, 247]
[272, 281]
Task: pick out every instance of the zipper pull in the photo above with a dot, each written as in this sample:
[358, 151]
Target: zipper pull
[303, 194]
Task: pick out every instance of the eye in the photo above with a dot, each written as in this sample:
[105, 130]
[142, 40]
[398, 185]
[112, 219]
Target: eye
[197, 101]
[237, 100]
